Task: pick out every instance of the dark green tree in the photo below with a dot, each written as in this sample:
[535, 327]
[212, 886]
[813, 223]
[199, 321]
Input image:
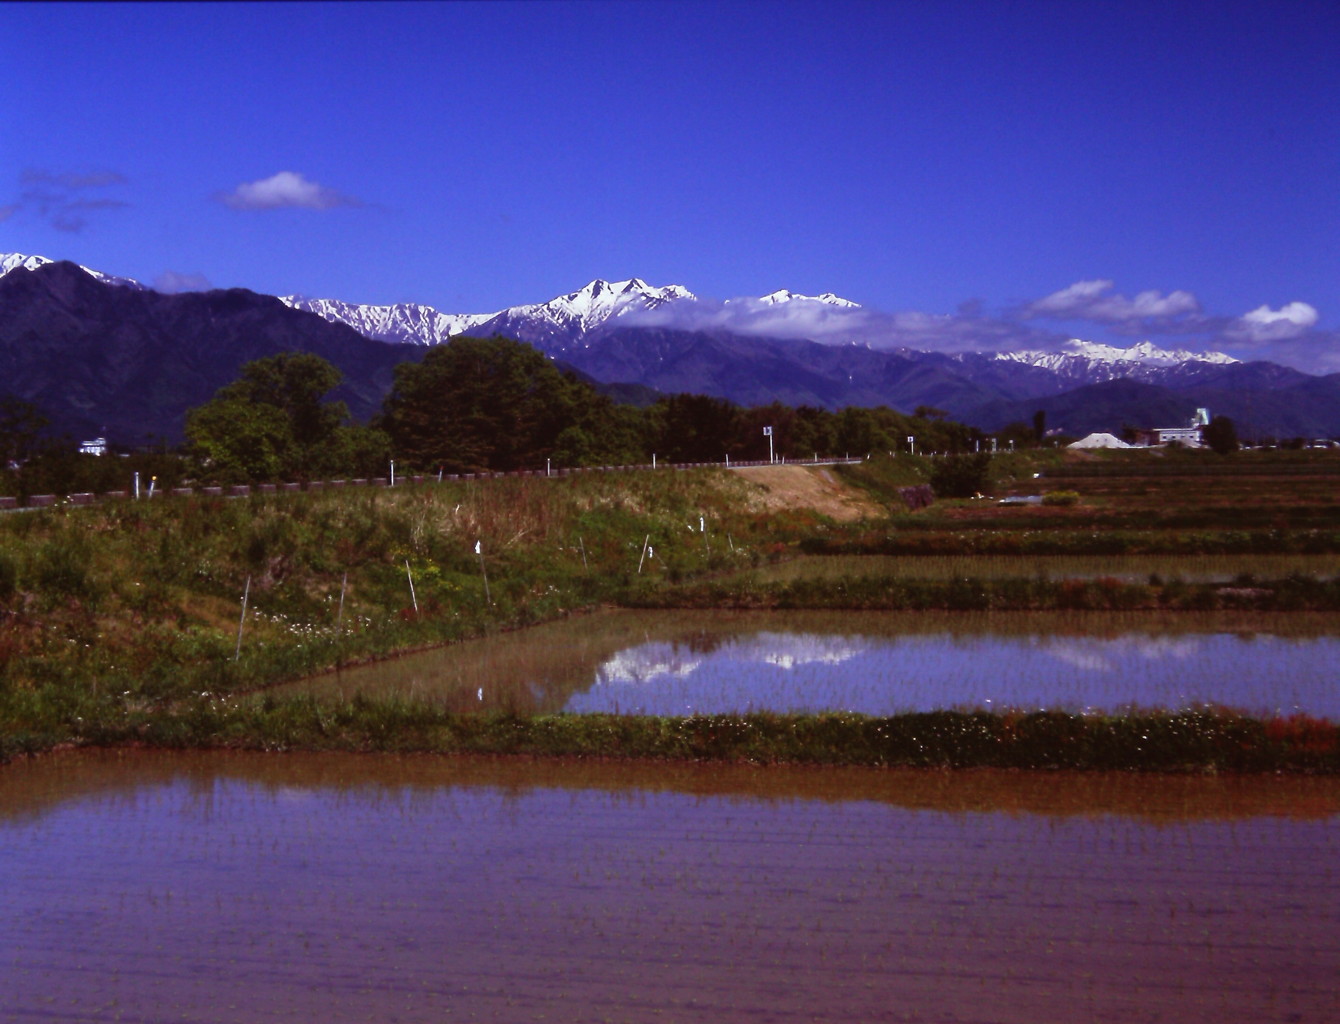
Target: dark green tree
[1220, 435]
[697, 428]
[961, 476]
[490, 404]
[21, 426]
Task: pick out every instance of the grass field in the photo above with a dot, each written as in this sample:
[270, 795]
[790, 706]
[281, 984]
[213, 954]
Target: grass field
[115, 619]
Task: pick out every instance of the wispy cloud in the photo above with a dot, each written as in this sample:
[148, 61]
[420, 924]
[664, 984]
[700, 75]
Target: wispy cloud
[171, 282]
[1095, 300]
[66, 199]
[1288, 334]
[1316, 351]
[285, 190]
[72, 181]
[967, 330]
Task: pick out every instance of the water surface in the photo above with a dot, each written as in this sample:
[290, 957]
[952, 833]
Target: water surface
[297, 888]
[876, 663]
[1222, 568]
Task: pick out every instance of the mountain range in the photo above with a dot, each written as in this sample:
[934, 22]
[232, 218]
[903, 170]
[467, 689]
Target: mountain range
[97, 351]
[124, 362]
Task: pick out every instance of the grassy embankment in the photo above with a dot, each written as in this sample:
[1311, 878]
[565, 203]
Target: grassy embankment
[120, 622]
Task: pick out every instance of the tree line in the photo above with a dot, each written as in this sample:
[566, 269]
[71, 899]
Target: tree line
[471, 405]
[492, 404]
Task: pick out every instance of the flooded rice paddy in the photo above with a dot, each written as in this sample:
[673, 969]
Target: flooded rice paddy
[877, 663]
[254, 888]
[1127, 568]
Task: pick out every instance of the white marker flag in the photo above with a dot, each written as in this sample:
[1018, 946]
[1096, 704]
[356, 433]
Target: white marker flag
[478, 550]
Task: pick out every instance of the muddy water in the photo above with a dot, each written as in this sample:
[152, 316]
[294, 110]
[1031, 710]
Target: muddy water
[251, 888]
[1128, 568]
[875, 663]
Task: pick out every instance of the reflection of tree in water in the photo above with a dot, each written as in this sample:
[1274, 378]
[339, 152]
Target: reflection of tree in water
[131, 782]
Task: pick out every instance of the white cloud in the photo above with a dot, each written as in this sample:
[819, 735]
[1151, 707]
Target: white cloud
[829, 324]
[283, 190]
[171, 282]
[1094, 300]
[1264, 324]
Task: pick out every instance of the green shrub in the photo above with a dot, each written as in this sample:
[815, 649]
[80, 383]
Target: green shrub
[62, 569]
[9, 575]
[1061, 498]
[961, 476]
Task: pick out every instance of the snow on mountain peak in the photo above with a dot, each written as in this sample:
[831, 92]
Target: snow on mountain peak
[785, 295]
[18, 261]
[403, 323]
[1145, 354]
[599, 300]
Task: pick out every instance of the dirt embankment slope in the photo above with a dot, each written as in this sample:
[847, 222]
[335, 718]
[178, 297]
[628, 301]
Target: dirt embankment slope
[813, 487]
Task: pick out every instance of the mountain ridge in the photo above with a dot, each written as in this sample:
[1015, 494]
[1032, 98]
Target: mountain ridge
[598, 330]
[127, 363]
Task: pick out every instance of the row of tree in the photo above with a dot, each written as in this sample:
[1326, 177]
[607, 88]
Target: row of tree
[479, 404]
[489, 404]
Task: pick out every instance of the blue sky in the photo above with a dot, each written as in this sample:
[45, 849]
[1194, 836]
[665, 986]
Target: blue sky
[976, 174]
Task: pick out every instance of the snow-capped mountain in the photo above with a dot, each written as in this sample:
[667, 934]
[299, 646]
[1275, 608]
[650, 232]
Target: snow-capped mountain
[561, 321]
[1085, 386]
[404, 323]
[1088, 362]
[784, 295]
[553, 326]
[18, 261]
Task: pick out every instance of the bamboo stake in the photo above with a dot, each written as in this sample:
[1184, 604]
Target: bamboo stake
[479, 550]
[237, 654]
[339, 618]
[412, 598]
[644, 553]
[582, 544]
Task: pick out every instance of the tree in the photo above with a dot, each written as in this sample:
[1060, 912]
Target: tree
[696, 428]
[272, 423]
[487, 404]
[235, 440]
[1040, 425]
[961, 476]
[1221, 435]
[294, 383]
[21, 426]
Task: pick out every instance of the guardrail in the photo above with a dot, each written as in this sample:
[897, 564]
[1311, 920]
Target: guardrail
[38, 501]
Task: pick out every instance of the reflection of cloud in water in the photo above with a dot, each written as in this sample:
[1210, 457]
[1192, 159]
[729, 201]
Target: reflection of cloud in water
[1080, 656]
[1109, 655]
[651, 661]
[647, 663]
[789, 650]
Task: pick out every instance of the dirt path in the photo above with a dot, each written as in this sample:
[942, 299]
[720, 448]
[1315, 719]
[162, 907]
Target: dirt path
[814, 487]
